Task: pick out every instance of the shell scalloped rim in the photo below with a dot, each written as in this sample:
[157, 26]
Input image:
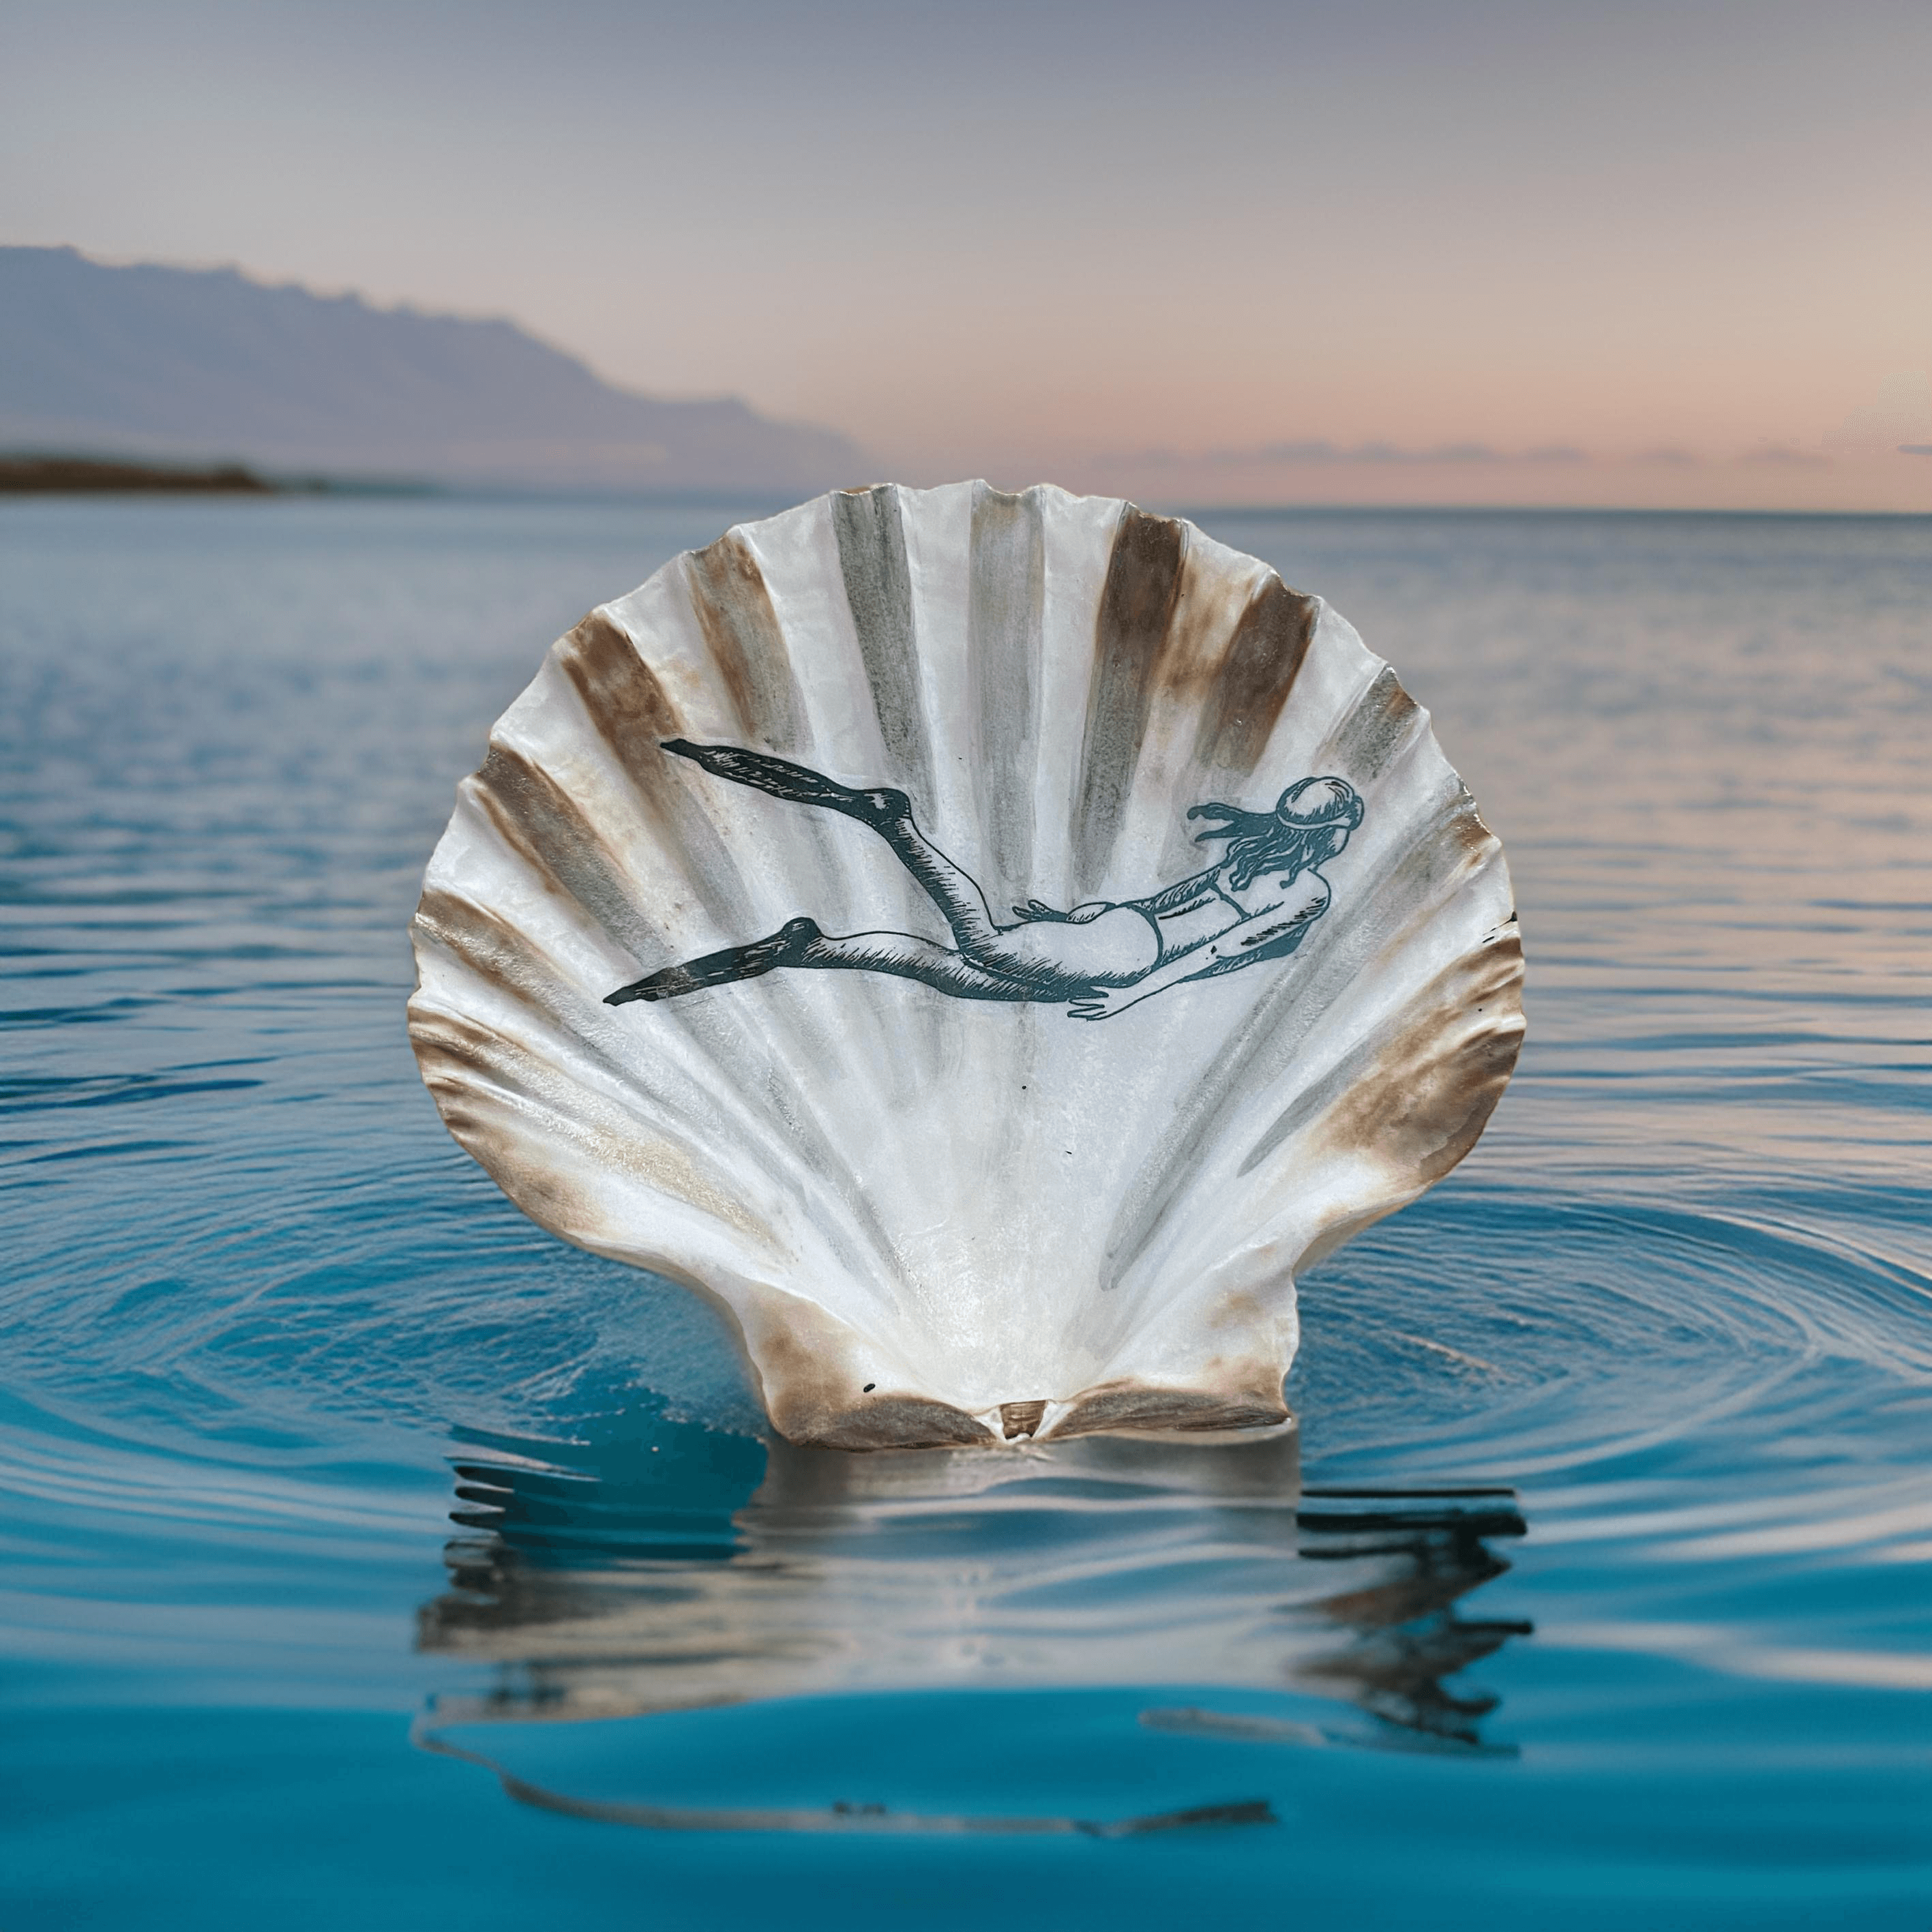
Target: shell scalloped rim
[831, 928]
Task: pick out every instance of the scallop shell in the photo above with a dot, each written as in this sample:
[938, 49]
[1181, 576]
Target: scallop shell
[959, 1175]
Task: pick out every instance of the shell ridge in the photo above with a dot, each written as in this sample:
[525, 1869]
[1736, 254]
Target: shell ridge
[1473, 1067]
[936, 528]
[711, 616]
[561, 981]
[833, 871]
[788, 1136]
[1136, 613]
[491, 946]
[485, 1070]
[1078, 537]
[619, 698]
[703, 1129]
[1278, 1151]
[538, 819]
[1271, 1164]
[1255, 1053]
[1234, 1323]
[536, 996]
[1259, 1043]
[728, 596]
[1325, 1077]
[1385, 720]
[871, 529]
[1217, 586]
[867, 1030]
[1378, 1201]
[1005, 611]
[967, 1046]
[1263, 659]
[852, 1257]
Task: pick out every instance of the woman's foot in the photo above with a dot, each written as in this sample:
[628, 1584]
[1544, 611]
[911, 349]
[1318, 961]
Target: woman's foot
[785, 947]
[882, 808]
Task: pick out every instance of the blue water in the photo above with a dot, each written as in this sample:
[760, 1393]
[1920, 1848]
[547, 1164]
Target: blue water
[371, 1559]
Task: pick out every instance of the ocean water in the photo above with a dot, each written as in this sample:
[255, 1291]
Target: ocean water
[368, 1557]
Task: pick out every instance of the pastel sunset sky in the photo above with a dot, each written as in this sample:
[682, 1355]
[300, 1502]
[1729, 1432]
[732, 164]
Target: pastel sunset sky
[1627, 253]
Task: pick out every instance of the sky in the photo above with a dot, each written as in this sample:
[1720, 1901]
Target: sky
[1491, 252]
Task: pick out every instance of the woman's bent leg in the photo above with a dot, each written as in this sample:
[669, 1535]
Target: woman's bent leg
[800, 945]
[886, 809]
[952, 889]
[1114, 948]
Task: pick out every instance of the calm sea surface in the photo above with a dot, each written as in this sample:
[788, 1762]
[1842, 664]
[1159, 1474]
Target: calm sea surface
[368, 1557]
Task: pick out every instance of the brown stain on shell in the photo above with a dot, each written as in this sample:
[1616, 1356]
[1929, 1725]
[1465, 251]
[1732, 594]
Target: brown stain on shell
[810, 1363]
[1361, 748]
[1250, 1401]
[1219, 612]
[621, 697]
[742, 632]
[1178, 630]
[1416, 1098]
[1137, 605]
[489, 946]
[482, 1081]
[629, 708]
[463, 1062]
[1256, 674]
[538, 818]
[869, 527]
[493, 950]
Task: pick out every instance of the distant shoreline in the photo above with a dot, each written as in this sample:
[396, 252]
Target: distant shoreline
[41, 475]
[80, 475]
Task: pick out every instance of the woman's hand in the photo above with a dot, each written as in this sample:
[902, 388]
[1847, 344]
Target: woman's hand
[1100, 1003]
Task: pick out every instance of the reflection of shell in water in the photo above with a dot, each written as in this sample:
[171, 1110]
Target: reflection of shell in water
[949, 1219]
[696, 1573]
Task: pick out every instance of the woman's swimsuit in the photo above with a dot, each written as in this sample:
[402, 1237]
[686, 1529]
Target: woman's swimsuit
[1180, 932]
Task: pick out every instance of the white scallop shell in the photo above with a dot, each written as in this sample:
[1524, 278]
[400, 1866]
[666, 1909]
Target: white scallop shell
[939, 1218]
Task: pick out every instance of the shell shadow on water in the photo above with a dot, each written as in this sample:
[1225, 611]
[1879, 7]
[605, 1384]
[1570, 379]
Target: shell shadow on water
[702, 1572]
[989, 942]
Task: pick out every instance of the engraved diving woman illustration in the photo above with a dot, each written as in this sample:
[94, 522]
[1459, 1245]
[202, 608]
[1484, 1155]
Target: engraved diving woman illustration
[1257, 904]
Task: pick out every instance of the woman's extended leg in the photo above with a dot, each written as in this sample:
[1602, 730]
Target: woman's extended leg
[799, 943]
[910, 958]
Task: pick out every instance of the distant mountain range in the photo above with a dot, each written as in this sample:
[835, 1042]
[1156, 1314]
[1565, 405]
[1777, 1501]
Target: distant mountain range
[204, 365]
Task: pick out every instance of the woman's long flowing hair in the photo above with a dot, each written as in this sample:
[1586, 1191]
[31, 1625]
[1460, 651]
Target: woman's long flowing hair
[1261, 842]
